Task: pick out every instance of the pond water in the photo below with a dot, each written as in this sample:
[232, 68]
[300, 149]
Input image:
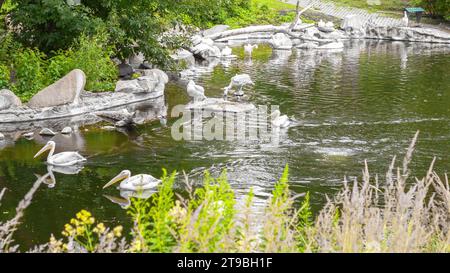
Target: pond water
[364, 103]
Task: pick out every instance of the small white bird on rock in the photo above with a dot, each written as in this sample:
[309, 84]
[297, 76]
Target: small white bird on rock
[248, 49]
[321, 24]
[196, 92]
[238, 81]
[227, 51]
[405, 19]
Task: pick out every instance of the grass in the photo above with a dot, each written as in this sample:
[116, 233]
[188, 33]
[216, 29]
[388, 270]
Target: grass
[374, 5]
[397, 213]
[264, 12]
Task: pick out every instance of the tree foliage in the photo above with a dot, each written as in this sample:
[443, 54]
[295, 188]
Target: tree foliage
[133, 26]
[436, 8]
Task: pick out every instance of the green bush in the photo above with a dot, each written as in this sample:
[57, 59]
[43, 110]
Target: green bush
[4, 76]
[32, 70]
[93, 56]
[29, 70]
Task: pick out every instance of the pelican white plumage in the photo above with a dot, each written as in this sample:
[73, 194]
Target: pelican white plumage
[280, 121]
[238, 81]
[140, 182]
[405, 19]
[321, 23]
[227, 51]
[61, 159]
[329, 25]
[248, 49]
[196, 92]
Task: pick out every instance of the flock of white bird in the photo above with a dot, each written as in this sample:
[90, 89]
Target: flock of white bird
[140, 182]
[144, 182]
[197, 92]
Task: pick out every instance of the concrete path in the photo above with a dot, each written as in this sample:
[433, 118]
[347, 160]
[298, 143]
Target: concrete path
[334, 10]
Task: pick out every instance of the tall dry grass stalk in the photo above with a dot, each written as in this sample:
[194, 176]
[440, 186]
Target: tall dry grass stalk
[393, 217]
[8, 228]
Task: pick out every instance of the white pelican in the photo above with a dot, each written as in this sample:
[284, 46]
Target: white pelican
[329, 25]
[227, 51]
[238, 81]
[321, 23]
[196, 92]
[280, 121]
[61, 159]
[140, 182]
[405, 19]
[248, 49]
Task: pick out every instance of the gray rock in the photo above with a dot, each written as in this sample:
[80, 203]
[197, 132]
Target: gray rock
[125, 70]
[8, 100]
[281, 41]
[205, 51]
[66, 131]
[157, 75]
[129, 86]
[326, 29]
[215, 30]
[196, 40]
[47, 132]
[65, 91]
[183, 55]
[2, 136]
[148, 83]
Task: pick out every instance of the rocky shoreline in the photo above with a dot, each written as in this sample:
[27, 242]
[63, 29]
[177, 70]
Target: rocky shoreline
[67, 100]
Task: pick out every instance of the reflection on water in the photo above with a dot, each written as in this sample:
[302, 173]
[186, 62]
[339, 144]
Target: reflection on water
[365, 102]
[49, 178]
[125, 196]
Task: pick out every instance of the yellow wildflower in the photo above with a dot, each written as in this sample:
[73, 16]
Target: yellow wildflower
[80, 230]
[118, 231]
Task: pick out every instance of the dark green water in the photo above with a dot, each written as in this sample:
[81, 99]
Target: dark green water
[363, 103]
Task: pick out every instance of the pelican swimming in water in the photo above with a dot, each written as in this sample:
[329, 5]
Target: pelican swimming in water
[280, 121]
[140, 182]
[61, 159]
[196, 92]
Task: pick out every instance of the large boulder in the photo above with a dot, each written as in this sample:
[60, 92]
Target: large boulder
[215, 30]
[8, 100]
[196, 40]
[125, 70]
[185, 56]
[65, 91]
[139, 85]
[281, 41]
[205, 51]
[158, 75]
